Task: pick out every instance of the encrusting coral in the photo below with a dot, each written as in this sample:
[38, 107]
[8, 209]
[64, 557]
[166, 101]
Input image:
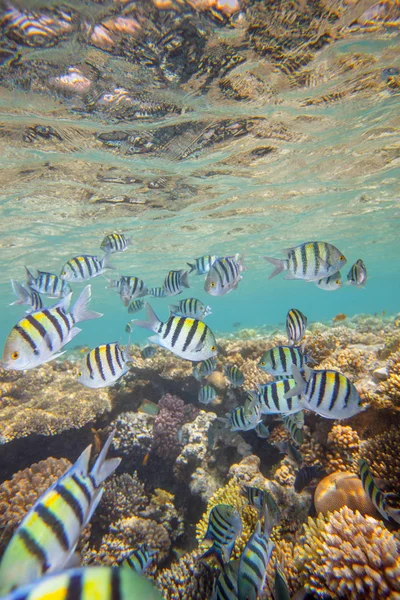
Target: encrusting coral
[349, 556]
[20, 493]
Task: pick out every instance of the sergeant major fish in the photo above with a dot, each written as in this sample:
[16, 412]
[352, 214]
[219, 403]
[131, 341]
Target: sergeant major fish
[327, 393]
[296, 324]
[205, 368]
[104, 365]
[224, 526]
[47, 284]
[87, 583]
[84, 267]
[115, 242]
[39, 337]
[234, 374]
[310, 261]
[244, 418]
[135, 306]
[188, 338]
[280, 360]
[203, 264]
[175, 281]
[294, 423]
[331, 283]
[272, 397]
[47, 537]
[377, 497]
[225, 587]
[190, 307]
[148, 352]
[26, 296]
[224, 275]
[254, 561]
[357, 275]
[207, 394]
[158, 292]
[129, 288]
[139, 560]
[306, 474]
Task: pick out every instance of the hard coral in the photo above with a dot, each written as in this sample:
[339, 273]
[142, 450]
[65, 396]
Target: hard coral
[173, 414]
[349, 556]
[391, 387]
[134, 435]
[344, 446]
[20, 493]
[382, 453]
[342, 489]
[188, 578]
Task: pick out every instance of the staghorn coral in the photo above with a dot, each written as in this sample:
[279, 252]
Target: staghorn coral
[382, 454]
[173, 414]
[20, 493]
[284, 555]
[350, 556]
[188, 578]
[343, 489]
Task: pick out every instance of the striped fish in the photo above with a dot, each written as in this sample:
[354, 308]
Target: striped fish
[224, 526]
[272, 397]
[47, 284]
[296, 324]
[207, 394]
[253, 563]
[190, 307]
[205, 368]
[331, 283]
[281, 588]
[148, 352]
[234, 374]
[225, 587]
[26, 296]
[305, 475]
[102, 583]
[39, 337]
[280, 360]
[244, 418]
[377, 497]
[310, 261]
[104, 365]
[255, 496]
[129, 288]
[188, 338]
[82, 268]
[286, 447]
[294, 423]
[203, 264]
[47, 537]
[139, 560]
[357, 275]
[224, 275]
[175, 281]
[158, 292]
[135, 306]
[327, 393]
[262, 431]
[115, 242]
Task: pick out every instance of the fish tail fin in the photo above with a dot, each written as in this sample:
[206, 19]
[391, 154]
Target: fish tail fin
[80, 310]
[112, 283]
[240, 261]
[298, 389]
[184, 279]
[173, 308]
[21, 293]
[279, 264]
[103, 467]
[30, 277]
[126, 354]
[128, 241]
[105, 261]
[152, 323]
[192, 267]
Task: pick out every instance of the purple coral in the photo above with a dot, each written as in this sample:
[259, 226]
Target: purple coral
[173, 414]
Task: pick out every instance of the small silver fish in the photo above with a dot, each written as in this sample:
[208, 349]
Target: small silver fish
[26, 296]
[203, 264]
[331, 283]
[190, 307]
[84, 267]
[224, 275]
[158, 292]
[357, 275]
[128, 288]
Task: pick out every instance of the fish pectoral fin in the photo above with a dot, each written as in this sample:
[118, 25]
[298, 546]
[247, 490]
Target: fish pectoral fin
[53, 356]
[74, 560]
[74, 332]
[155, 339]
[199, 346]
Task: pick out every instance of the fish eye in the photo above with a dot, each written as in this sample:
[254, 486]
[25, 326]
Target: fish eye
[337, 281]
[213, 348]
[212, 284]
[15, 355]
[342, 257]
[63, 273]
[262, 363]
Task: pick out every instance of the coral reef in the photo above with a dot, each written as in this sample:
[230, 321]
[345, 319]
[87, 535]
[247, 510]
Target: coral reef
[173, 414]
[187, 578]
[134, 435]
[382, 454]
[340, 489]
[350, 556]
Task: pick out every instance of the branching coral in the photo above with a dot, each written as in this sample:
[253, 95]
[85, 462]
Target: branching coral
[349, 556]
[391, 387]
[188, 578]
[344, 446]
[382, 453]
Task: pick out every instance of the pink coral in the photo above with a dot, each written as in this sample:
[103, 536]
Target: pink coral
[173, 414]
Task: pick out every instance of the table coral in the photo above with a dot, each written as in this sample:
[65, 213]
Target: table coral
[350, 556]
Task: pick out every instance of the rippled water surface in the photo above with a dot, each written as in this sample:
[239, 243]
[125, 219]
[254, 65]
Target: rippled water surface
[202, 127]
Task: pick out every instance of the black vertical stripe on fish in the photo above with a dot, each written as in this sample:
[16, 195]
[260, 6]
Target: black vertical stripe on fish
[75, 588]
[178, 329]
[275, 396]
[64, 317]
[203, 337]
[226, 279]
[304, 258]
[34, 548]
[316, 255]
[71, 501]
[47, 281]
[190, 335]
[313, 382]
[282, 358]
[97, 358]
[295, 265]
[89, 366]
[83, 487]
[116, 591]
[168, 327]
[25, 335]
[370, 486]
[294, 356]
[54, 523]
[273, 361]
[118, 356]
[79, 265]
[348, 393]
[336, 390]
[55, 282]
[322, 387]
[89, 266]
[41, 330]
[54, 322]
[109, 359]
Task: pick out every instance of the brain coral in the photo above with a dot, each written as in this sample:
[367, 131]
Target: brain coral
[342, 489]
[349, 556]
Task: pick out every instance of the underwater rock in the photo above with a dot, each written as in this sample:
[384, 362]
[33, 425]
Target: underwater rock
[350, 556]
[343, 489]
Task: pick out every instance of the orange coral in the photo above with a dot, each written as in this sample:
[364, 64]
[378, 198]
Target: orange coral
[342, 489]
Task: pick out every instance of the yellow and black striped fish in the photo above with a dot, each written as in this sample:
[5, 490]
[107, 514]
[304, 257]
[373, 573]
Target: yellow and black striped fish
[188, 338]
[135, 306]
[296, 324]
[102, 583]
[244, 418]
[377, 497]
[39, 337]
[205, 368]
[225, 587]
[253, 563]
[234, 374]
[115, 242]
[224, 275]
[294, 423]
[139, 560]
[157, 292]
[190, 307]
[47, 537]
[84, 267]
[224, 526]
[272, 397]
[175, 281]
[104, 365]
[207, 394]
[310, 261]
[202, 264]
[26, 296]
[129, 288]
[48, 284]
[279, 360]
